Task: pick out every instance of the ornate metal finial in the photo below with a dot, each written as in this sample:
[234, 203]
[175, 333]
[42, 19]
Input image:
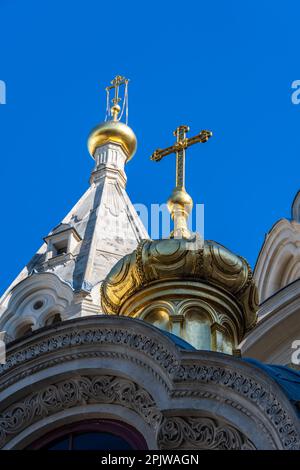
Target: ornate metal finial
[180, 203]
[115, 109]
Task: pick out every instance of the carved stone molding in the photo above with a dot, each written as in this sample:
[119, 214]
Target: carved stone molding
[200, 433]
[262, 428]
[184, 374]
[85, 336]
[77, 356]
[252, 390]
[74, 392]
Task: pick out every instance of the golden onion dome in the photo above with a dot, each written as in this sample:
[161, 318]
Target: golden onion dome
[115, 132]
[164, 270]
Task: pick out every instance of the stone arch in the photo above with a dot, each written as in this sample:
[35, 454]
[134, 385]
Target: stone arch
[278, 263]
[230, 327]
[203, 309]
[158, 314]
[198, 305]
[43, 288]
[26, 326]
[53, 318]
[115, 397]
[192, 384]
[159, 318]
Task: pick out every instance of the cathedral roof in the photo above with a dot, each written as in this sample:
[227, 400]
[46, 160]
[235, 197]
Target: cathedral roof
[97, 218]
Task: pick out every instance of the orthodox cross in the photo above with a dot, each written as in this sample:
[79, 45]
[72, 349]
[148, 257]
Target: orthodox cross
[180, 203]
[116, 83]
[181, 144]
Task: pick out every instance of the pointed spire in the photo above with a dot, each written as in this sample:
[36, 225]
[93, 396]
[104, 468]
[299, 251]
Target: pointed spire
[100, 229]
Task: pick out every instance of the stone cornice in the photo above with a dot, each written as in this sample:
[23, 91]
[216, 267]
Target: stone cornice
[183, 373]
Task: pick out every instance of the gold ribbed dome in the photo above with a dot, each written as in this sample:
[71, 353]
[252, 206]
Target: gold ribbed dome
[164, 274]
[114, 132]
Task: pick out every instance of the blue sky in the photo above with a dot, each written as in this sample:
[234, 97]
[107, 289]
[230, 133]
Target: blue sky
[220, 65]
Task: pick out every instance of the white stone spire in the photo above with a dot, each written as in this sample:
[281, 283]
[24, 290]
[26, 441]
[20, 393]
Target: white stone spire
[65, 275]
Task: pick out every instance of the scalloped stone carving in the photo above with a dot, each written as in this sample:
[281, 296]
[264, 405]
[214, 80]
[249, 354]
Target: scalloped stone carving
[201, 433]
[73, 392]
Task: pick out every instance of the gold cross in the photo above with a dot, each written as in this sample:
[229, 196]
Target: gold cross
[116, 83]
[180, 203]
[179, 147]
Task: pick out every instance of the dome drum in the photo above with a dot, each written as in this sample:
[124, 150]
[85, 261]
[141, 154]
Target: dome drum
[166, 275]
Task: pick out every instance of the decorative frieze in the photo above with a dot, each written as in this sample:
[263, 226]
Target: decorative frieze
[188, 375]
[69, 393]
[201, 433]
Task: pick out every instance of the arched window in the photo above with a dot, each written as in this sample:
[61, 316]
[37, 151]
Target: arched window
[52, 319]
[222, 338]
[227, 343]
[103, 434]
[159, 318]
[24, 330]
[196, 329]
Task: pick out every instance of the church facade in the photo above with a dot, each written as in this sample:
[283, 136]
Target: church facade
[116, 341]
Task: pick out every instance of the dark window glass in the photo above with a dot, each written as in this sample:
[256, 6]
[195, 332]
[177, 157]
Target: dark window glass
[62, 444]
[95, 434]
[90, 441]
[99, 441]
[61, 251]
